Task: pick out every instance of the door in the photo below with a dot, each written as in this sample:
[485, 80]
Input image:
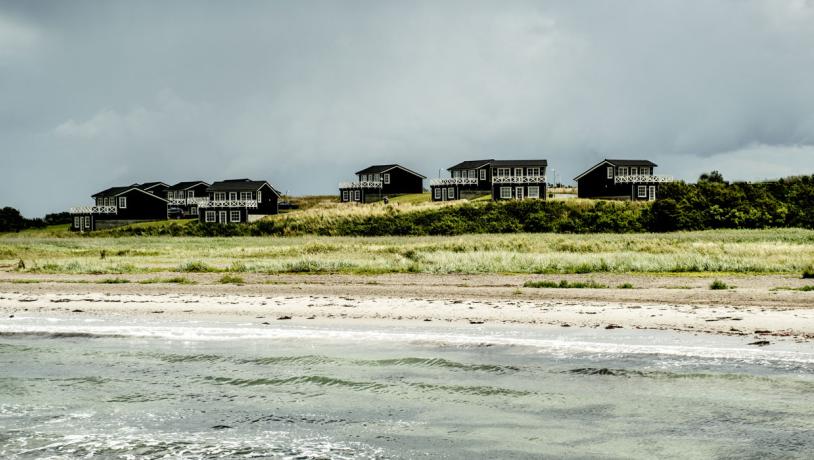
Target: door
[222, 217]
[652, 193]
[518, 192]
[444, 194]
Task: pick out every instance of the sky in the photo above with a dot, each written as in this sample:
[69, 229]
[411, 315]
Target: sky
[303, 94]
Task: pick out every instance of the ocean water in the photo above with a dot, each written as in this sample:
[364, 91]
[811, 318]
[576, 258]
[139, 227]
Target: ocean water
[101, 388]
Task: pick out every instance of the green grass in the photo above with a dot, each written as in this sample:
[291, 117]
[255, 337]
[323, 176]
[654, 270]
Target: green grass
[718, 285]
[625, 286]
[726, 252]
[414, 198]
[114, 281]
[808, 273]
[231, 279]
[170, 280]
[787, 288]
[564, 284]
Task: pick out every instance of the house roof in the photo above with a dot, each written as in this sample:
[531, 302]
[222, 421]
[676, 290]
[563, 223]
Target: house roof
[116, 191]
[238, 185]
[617, 163]
[378, 169]
[187, 185]
[470, 164]
[151, 185]
[542, 163]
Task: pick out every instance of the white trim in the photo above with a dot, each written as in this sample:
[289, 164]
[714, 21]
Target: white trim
[400, 167]
[232, 196]
[652, 193]
[357, 195]
[642, 191]
[193, 210]
[77, 222]
[437, 193]
[473, 174]
[622, 171]
[209, 216]
[503, 172]
[386, 178]
[232, 216]
[533, 191]
[344, 195]
[519, 192]
[123, 202]
[610, 172]
[505, 193]
[483, 174]
[87, 221]
[451, 193]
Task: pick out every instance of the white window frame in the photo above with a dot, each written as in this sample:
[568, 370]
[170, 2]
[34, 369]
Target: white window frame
[518, 172]
[623, 170]
[534, 191]
[634, 171]
[357, 195]
[386, 177]
[344, 195]
[652, 193]
[245, 196]
[232, 196]
[519, 192]
[483, 174]
[220, 196]
[232, 215]
[505, 193]
[437, 193]
[87, 221]
[456, 174]
[210, 216]
[123, 202]
[190, 193]
[193, 210]
[473, 174]
[451, 193]
[610, 172]
[642, 191]
[503, 172]
[533, 171]
[77, 222]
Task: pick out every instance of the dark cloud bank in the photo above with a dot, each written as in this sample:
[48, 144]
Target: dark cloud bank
[94, 94]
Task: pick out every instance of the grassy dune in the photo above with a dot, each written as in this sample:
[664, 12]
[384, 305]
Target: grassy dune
[729, 251]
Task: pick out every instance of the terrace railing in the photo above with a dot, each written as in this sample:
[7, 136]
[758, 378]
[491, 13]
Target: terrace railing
[93, 210]
[519, 180]
[187, 201]
[362, 184]
[454, 181]
[228, 204]
[641, 179]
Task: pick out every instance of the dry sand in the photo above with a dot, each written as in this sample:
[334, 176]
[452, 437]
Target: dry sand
[657, 302]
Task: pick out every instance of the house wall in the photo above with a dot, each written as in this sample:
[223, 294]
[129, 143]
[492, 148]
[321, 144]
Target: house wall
[140, 206]
[401, 182]
[496, 191]
[596, 184]
[267, 205]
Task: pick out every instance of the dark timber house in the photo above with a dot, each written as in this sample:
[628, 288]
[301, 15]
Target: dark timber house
[238, 200]
[185, 198]
[620, 180]
[122, 206]
[378, 181]
[503, 179]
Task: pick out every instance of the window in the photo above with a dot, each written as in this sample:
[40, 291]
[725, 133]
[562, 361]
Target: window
[518, 171]
[87, 221]
[386, 178]
[473, 174]
[482, 174]
[234, 216]
[533, 171]
[210, 216]
[220, 196]
[123, 202]
[344, 195]
[518, 191]
[357, 195]
[232, 196]
[642, 191]
[456, 174]
[193, 210]
[652, 195]
[634, 171]
[245, 195]
[258, 196]
[623, 170]
[437, 193]
[645, 170]
[451, 193]
[76, 222]
[534, 192]
[505, 192]
[503, 171]
[190, 193]
[610, 172]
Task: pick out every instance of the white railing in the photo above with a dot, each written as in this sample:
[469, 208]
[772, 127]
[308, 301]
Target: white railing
[641, 179]
[93, 210]
[228, 204]
[187, 201]
[518, 180]
[362, 184]
[454, 181]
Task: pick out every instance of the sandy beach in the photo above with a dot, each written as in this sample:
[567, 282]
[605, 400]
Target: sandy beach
[752, 308]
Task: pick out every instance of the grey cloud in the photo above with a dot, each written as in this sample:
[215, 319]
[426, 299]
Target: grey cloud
[305, 93]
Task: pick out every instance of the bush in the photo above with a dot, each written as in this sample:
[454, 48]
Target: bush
[231, 279]
[564, 284]
[625, 286]
[172, 280]
[196, 267]
[808, 273]
[718, 285]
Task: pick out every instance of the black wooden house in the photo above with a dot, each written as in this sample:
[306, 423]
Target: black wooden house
[379, 181]
[620, 180]
[237, 201]
[184, 197]
[502, 179]
[121, 206]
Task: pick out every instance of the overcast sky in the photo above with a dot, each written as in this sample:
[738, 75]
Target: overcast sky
[102, 93]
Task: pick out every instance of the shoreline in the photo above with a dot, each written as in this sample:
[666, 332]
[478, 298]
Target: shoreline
[750, 310]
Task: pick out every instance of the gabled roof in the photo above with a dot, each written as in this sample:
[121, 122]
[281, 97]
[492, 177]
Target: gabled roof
[116, 191]
[378, 169]
[240, 185]
[617, 163]
[147, 186]
[187, 185]
[541, 163]
[470, 164]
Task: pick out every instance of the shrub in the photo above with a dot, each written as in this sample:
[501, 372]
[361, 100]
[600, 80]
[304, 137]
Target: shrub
[114, 281]
[171, 280]
[196, 267]
[625, 286]
[808, 273]
[231, 279]
[718, 285]
[564, 284]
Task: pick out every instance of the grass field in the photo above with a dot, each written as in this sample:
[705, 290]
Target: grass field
[786, 251]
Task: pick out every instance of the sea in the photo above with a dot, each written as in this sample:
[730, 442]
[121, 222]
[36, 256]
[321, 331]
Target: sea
[97, 387]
